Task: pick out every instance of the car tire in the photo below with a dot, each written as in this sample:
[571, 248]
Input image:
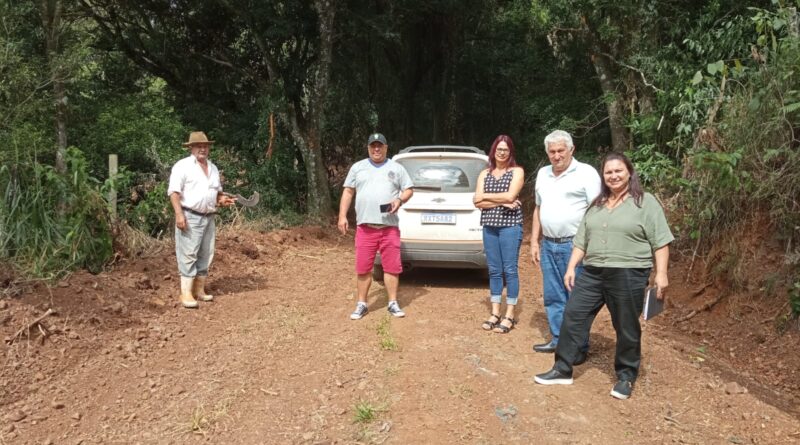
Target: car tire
[377, 272]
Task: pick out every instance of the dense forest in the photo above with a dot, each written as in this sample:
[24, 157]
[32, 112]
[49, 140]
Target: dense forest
[704, 96]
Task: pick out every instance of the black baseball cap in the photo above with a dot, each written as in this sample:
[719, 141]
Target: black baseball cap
[376, 137]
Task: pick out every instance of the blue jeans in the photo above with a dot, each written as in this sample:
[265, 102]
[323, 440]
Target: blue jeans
[502, 256]
[554, 260]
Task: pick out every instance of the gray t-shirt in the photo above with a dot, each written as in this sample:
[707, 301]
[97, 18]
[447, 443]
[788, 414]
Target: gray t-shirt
[376, 185]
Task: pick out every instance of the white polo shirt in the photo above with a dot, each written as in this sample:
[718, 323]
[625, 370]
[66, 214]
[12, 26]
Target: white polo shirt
[198, 191]
[563, 199]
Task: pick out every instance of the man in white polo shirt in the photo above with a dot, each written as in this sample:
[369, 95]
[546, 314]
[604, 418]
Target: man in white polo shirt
[195, 191]
[564, 190]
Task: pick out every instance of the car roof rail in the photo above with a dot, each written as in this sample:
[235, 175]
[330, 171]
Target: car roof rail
[440, 148]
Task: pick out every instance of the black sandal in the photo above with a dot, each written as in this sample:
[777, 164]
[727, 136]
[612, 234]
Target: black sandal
[488, 325]
[503, 328]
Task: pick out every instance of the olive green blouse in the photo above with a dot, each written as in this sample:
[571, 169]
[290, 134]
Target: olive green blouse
[625, 236]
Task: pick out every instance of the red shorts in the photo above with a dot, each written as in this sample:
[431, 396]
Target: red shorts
[370, 240]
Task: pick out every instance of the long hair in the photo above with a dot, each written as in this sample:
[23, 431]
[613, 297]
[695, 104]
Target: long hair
[634, 185]
[511, 161]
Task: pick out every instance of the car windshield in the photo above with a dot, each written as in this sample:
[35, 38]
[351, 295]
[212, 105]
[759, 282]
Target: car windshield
[445, 175]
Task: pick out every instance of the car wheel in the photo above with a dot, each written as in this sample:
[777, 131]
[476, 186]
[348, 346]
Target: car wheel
[377, 272]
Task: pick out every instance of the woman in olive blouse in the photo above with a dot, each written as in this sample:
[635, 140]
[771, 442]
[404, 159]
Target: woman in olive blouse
[622, 233]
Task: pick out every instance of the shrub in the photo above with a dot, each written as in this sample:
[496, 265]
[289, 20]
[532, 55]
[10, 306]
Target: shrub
[51, 223]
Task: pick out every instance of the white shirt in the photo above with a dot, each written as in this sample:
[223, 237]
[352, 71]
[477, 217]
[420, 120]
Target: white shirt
[563, 199]
[198, 191]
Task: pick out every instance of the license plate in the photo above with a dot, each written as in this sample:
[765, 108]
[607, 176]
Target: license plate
[438, 218]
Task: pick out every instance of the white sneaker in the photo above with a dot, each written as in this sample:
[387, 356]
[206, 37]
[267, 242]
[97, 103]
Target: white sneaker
[395, 310]
[361, 310]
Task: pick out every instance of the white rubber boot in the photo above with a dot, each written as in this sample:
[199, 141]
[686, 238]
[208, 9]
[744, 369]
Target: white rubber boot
[199, 289]
[186, 298]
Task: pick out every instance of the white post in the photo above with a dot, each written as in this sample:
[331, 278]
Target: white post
[112, 192]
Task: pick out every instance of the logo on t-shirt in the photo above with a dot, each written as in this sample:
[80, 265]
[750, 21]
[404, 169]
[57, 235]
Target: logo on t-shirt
[391, 175]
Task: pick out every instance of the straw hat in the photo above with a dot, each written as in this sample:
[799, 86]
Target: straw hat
[197, 137]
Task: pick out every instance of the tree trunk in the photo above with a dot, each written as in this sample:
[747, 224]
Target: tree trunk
[615, 103]
[51, 11]
[309, 136]
[308, 141]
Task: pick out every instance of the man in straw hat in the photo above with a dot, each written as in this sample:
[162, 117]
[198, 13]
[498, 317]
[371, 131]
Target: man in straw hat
[195, 191]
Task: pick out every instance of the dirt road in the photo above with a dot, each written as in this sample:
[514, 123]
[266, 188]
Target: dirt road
[276, 360]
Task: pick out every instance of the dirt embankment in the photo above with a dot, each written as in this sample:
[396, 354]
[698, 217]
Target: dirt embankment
[275, 359]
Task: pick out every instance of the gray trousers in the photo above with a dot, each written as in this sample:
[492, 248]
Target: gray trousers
[194, 247]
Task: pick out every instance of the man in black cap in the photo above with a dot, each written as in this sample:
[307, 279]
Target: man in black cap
[380, 186]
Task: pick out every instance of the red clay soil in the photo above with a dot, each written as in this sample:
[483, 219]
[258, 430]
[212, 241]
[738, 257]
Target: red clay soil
[276, 360]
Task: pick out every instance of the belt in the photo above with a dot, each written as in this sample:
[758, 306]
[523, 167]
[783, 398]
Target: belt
[562, 240]
[376, 226]
[195, 212]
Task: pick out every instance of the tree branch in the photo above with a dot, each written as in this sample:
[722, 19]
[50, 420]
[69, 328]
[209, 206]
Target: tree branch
[633, 68]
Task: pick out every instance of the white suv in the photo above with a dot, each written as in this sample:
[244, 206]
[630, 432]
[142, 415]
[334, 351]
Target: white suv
[439, 225]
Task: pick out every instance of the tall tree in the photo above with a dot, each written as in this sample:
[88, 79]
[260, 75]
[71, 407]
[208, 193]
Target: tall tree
[228, 54]
[605, 32]
[52, 12]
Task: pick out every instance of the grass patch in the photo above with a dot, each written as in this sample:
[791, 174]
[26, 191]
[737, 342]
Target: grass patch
[384, 329]
[391, 370]
[367, 411]
[198, 422]
[203, 420]
[286, 323]
[461, 391]
[364, 412]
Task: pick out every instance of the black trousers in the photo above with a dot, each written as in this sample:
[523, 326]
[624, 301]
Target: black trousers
[622, 290]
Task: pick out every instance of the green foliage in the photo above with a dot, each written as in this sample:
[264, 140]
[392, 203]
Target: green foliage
[146, 208]
[794, 299]
[139, 126]
[366, 411]
[749, 161]
[51, 223]
[656, 170]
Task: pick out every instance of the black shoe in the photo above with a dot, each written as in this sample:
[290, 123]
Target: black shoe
[553, 377]
[546, 347]
[622, 390]
[582, 356]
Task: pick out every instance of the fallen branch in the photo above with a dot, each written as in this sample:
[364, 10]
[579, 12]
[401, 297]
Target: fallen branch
[700, 290]
[781, 309]
[30, 325]
[705, 307]
[312, 257]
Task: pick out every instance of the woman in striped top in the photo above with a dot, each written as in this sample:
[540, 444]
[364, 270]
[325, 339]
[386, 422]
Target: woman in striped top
[501, 217]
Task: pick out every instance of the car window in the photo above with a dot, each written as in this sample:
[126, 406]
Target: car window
[445, 175]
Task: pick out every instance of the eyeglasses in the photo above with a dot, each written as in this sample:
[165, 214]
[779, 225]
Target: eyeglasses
[502, 150]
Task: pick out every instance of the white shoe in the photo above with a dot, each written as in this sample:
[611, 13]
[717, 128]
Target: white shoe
[394, 309]
[361, 311]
